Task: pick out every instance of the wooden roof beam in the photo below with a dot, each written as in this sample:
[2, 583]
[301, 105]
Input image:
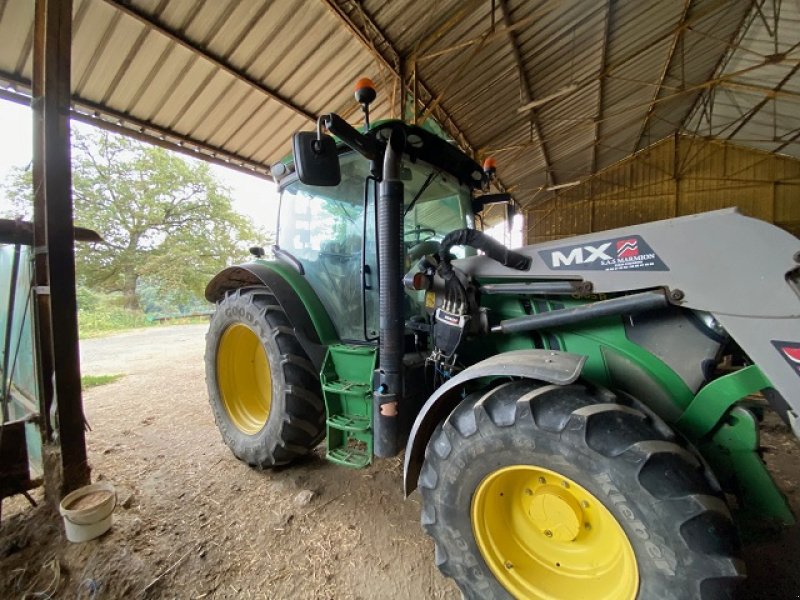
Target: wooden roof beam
[526, 90]
[763, 102]
[601, 86]
[725, 57]
[372, 37]
[679, 32]
[88, 112]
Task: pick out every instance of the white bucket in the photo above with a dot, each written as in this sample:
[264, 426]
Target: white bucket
[87, 511]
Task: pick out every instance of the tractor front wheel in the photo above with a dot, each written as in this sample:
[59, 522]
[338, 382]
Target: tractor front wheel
[264, 391]
[535, 491]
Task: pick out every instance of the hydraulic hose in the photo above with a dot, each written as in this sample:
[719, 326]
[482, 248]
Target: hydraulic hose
[457, 295]
[479, 240]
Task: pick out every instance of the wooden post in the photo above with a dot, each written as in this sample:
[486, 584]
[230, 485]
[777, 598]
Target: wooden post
[676, 175]
[53, 217]
[403, 73]
[44, 344]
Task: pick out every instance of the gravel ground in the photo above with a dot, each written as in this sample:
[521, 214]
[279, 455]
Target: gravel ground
[196, 523]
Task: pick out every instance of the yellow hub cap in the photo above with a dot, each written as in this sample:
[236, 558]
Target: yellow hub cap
[243, 377]
[546, 537]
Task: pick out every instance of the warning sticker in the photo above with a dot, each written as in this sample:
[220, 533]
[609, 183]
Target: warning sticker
[630, 253]
[790, 352]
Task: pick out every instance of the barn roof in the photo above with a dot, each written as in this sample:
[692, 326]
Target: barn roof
[556, 90]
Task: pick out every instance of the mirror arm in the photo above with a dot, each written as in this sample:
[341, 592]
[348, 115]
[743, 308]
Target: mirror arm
[368, 147]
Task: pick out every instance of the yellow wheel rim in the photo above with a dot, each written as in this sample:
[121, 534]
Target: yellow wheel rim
[545, 537]
[243, 377]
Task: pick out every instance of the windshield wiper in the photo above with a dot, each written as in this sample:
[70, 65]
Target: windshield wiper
[420, 192]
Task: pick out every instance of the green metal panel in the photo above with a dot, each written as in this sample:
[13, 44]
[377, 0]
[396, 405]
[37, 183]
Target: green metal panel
[732, 452]
[597, 340]
[21, 344]
[316, 311]
[726, 434]
[716, 399]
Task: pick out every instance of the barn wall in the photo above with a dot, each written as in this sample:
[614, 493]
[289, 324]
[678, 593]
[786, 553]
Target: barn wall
[676, 176]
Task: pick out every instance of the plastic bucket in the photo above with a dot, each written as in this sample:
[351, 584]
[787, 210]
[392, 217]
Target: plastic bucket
[87, 511]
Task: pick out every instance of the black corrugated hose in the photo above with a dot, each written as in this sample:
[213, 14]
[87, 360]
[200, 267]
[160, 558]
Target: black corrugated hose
[456, 294]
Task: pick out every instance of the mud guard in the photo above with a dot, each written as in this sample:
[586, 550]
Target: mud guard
[310, 321]
[550, 366]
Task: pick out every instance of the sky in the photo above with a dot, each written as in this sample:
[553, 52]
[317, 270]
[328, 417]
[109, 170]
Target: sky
[253, 197]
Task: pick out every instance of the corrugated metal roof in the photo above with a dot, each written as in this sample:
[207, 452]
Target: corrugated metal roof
[202, 70]
[758, 101]
[234, 79]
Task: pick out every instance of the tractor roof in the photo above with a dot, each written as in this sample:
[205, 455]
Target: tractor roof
[422, 144]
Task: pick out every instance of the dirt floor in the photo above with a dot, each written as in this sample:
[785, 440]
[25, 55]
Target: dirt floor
[193, 522]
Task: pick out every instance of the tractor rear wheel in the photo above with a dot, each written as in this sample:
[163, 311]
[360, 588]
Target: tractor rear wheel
[264, 391]
[541, 491]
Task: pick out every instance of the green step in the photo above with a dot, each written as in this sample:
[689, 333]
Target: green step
[349, 457]
[367, 351]
[346, 379]
[349, 422]
[348, 387]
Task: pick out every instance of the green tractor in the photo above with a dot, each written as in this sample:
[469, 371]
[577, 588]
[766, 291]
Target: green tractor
[560, 406]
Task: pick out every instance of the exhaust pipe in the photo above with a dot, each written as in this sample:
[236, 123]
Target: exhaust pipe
[388, 397]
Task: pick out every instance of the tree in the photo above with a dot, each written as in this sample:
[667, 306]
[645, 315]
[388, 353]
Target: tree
[162, 218]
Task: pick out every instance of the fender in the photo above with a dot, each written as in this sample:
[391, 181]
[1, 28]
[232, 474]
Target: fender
[303, 308]
[550, 366]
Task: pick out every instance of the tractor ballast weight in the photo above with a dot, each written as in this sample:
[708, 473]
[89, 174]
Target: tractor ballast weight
[567, 390]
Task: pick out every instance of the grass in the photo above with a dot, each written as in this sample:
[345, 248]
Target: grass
[103, 319]
[109, 319]
[90, 381]
[101, 313]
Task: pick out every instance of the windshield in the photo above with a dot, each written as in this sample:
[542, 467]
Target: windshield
[435, 205]
[325, 229]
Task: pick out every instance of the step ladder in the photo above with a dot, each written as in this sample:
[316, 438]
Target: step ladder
[347, 387]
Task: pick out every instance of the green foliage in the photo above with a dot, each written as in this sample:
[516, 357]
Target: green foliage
[101, 314]
[88, 300]
[89, 381]
[106, 313]
[166, 222]
[158, 298]
[18, 188]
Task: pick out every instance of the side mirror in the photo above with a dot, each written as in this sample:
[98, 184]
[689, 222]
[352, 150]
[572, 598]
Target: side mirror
[479, 203]
[316, 160]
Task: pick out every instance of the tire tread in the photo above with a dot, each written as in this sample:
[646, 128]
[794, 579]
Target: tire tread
[303, 421]
[619, 432]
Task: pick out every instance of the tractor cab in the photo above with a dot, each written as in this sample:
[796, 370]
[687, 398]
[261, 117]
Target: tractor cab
[330, 231]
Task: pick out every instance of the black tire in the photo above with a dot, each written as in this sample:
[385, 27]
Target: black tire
[667, 502]
[295, 424]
